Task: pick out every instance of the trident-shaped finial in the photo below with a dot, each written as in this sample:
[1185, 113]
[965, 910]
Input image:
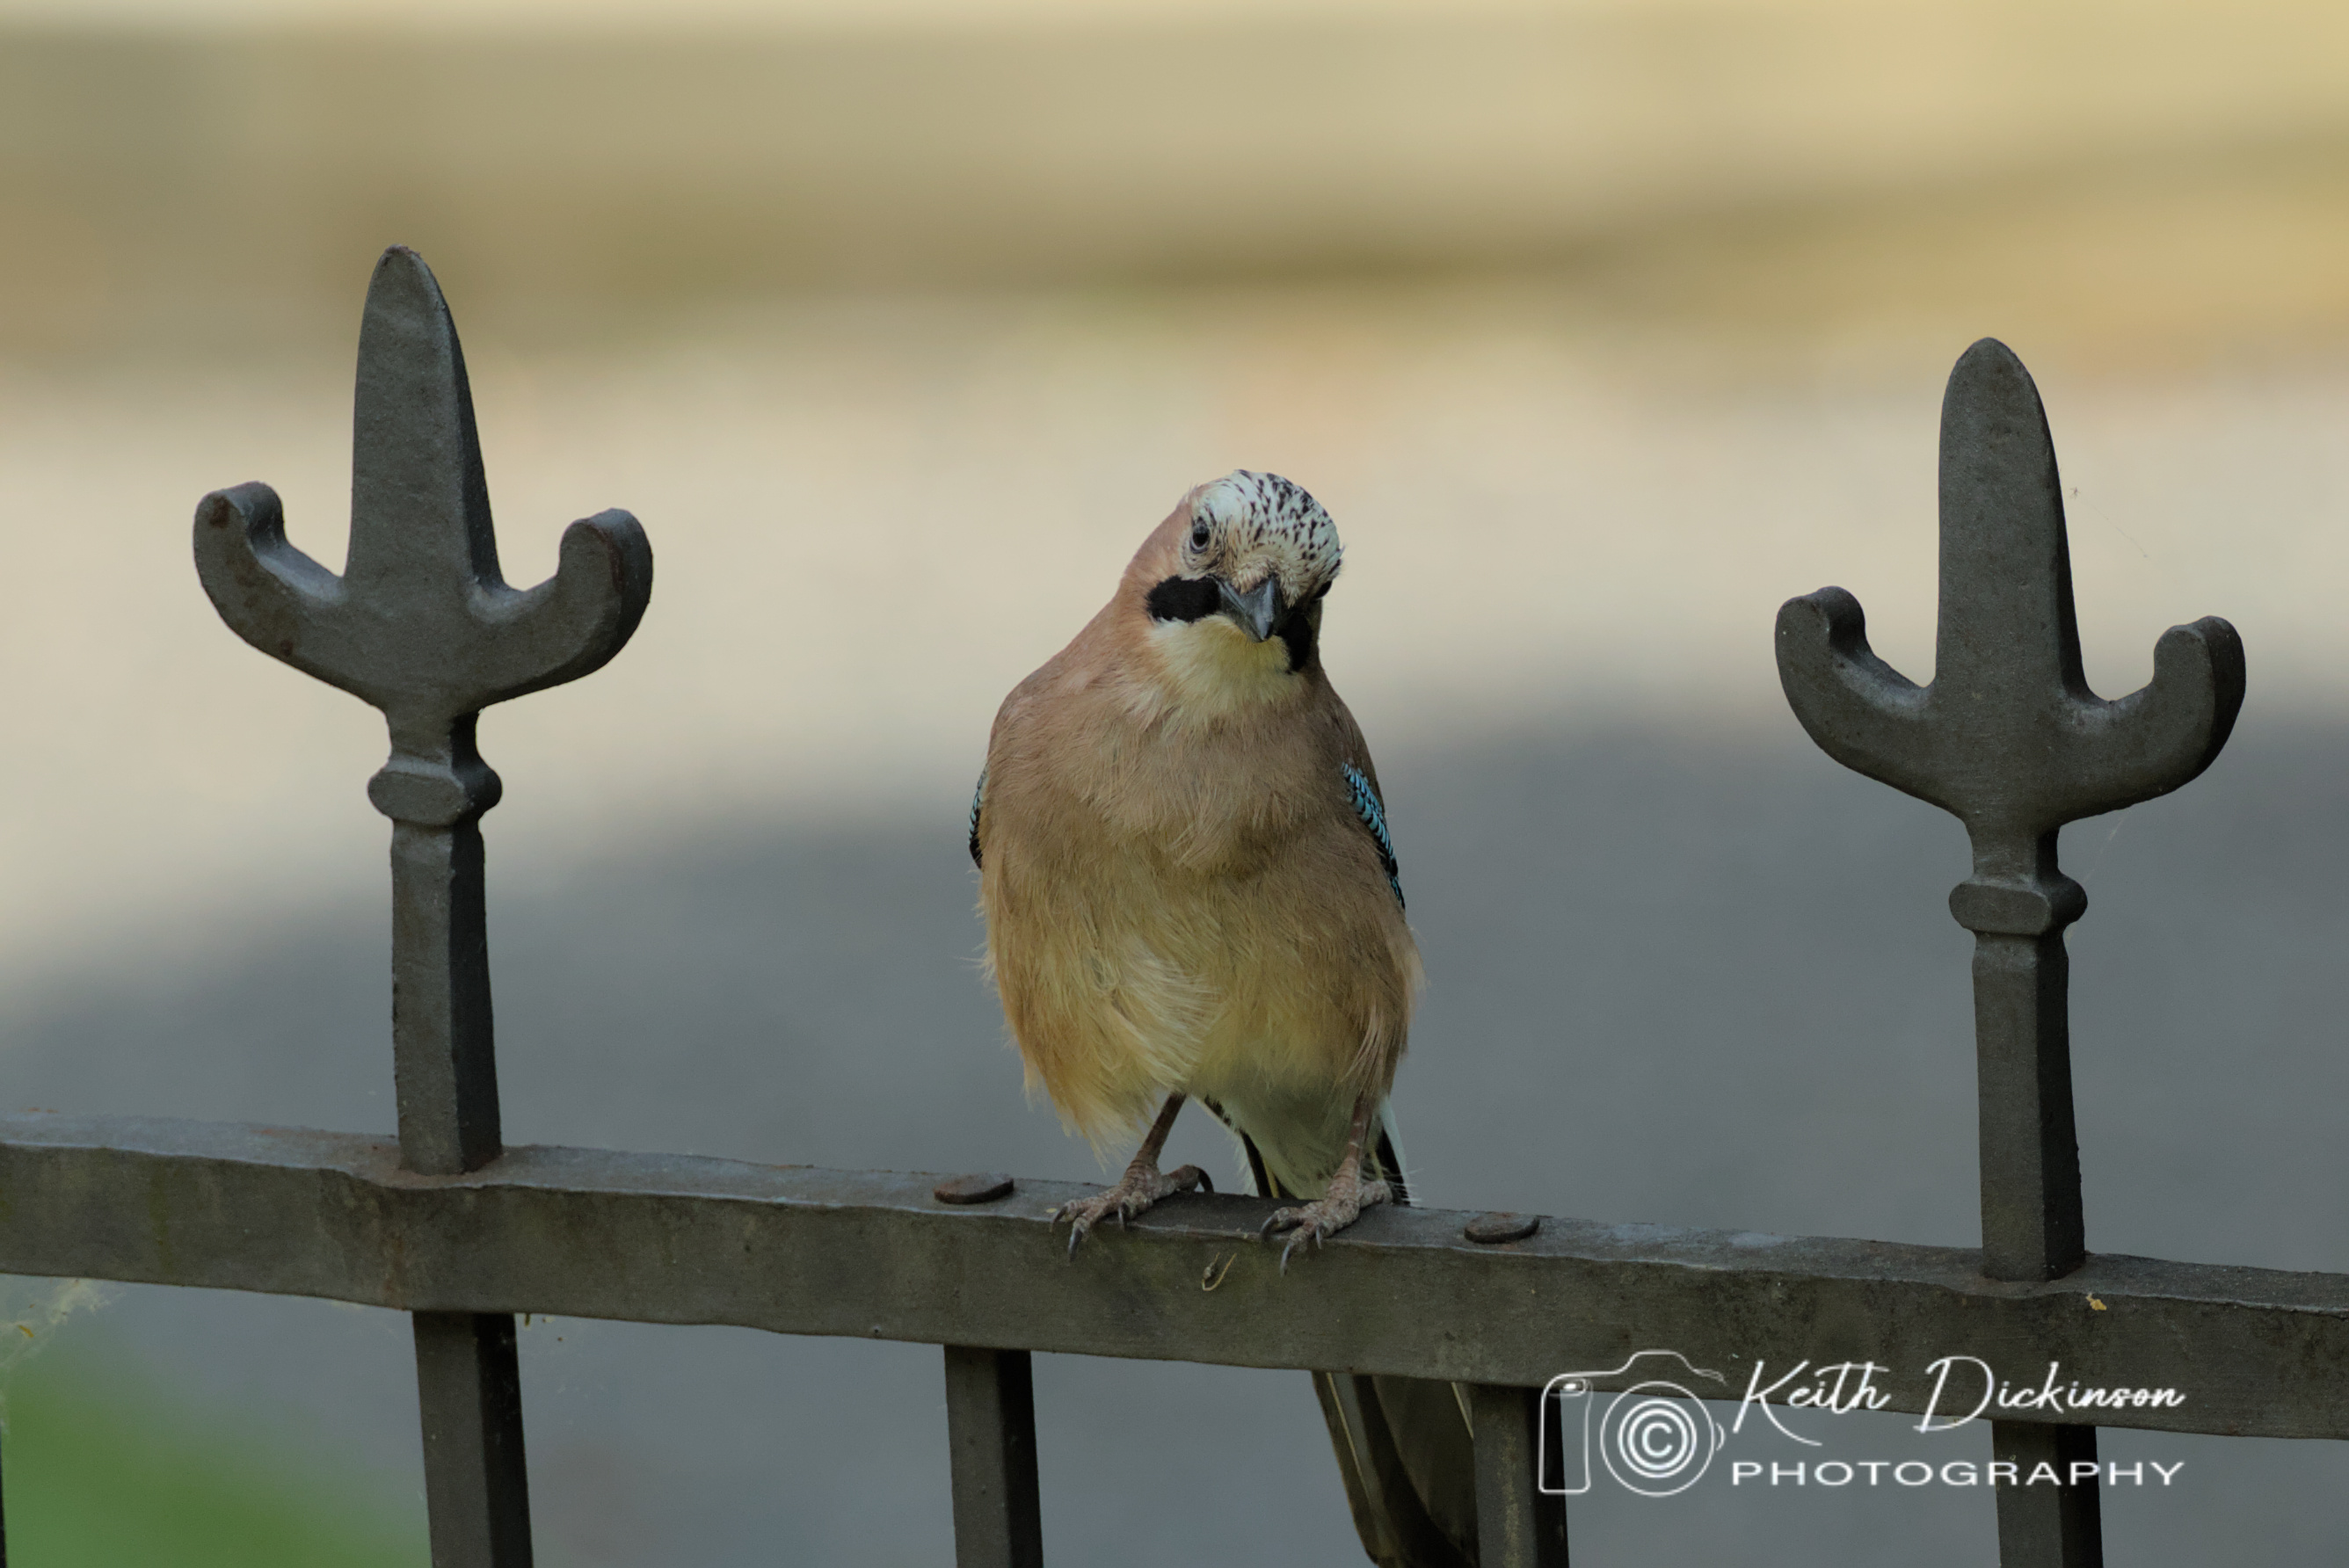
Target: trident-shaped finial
[2010, 738]
[422, 625]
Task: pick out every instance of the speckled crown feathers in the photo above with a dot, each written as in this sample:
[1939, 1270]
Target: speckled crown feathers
[1265, 512]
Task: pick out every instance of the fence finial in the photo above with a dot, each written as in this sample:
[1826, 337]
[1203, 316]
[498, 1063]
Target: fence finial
[2010, 738]
[422, 625]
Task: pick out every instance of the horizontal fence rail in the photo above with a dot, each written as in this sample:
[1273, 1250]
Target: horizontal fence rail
[663, 1238]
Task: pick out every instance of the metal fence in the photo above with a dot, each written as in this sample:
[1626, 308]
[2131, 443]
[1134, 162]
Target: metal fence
[450, 1226]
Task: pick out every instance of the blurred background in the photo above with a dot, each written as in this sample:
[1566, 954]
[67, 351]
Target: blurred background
[1602, 327]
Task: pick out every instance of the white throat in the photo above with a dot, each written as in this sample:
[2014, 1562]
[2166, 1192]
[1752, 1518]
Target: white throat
[1215, 670]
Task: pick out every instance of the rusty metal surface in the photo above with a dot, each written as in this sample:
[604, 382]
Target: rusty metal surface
[982, 1187]
[678, 1239]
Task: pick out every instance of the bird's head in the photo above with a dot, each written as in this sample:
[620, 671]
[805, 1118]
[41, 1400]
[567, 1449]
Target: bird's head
[1236, 580]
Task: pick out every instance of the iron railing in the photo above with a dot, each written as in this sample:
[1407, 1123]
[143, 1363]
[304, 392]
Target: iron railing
[449, 1224]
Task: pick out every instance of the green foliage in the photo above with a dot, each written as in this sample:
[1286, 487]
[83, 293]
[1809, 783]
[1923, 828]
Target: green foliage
[102, 1472]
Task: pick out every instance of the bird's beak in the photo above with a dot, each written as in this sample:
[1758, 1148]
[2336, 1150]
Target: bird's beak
[1258, 610]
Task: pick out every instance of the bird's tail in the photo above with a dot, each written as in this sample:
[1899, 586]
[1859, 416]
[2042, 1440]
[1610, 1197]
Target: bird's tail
[1403, 1443]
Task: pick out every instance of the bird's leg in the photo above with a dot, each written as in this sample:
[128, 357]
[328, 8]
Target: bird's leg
[1342, 1203]
[1141, 1185]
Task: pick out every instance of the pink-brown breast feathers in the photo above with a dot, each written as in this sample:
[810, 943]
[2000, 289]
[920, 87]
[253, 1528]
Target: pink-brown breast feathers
[1183, 907]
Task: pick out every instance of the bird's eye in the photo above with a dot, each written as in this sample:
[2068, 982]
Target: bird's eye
[1198, 536]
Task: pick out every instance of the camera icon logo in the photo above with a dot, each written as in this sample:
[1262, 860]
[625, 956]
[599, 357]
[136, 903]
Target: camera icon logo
[1655, 1437]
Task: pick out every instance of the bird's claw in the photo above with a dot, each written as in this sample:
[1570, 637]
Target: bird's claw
[1312, 1224]
[1141, 1187]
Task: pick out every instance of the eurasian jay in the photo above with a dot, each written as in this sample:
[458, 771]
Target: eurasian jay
[1184, 865]
[1190, 892]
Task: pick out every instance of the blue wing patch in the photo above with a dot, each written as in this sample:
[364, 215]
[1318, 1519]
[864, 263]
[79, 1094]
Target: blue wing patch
[977, 799]
[1375, 817]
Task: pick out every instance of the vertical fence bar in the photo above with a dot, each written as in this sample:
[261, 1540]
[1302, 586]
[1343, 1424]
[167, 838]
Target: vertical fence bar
[1518, 1524]
[469, 1396]
[991, 1433]
[444, 1052]
[2059, 1524]
[2009, 739]
[422, 625]
[444, 1065]
[2033, 1226]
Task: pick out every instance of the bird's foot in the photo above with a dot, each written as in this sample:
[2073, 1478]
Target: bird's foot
[1309, 1224]
[1141, 1185]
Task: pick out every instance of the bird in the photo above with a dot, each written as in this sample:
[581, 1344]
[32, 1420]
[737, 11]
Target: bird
[1191, 892]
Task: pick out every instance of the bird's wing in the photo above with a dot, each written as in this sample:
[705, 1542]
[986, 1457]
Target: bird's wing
[1364, 794]
[977, 800]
